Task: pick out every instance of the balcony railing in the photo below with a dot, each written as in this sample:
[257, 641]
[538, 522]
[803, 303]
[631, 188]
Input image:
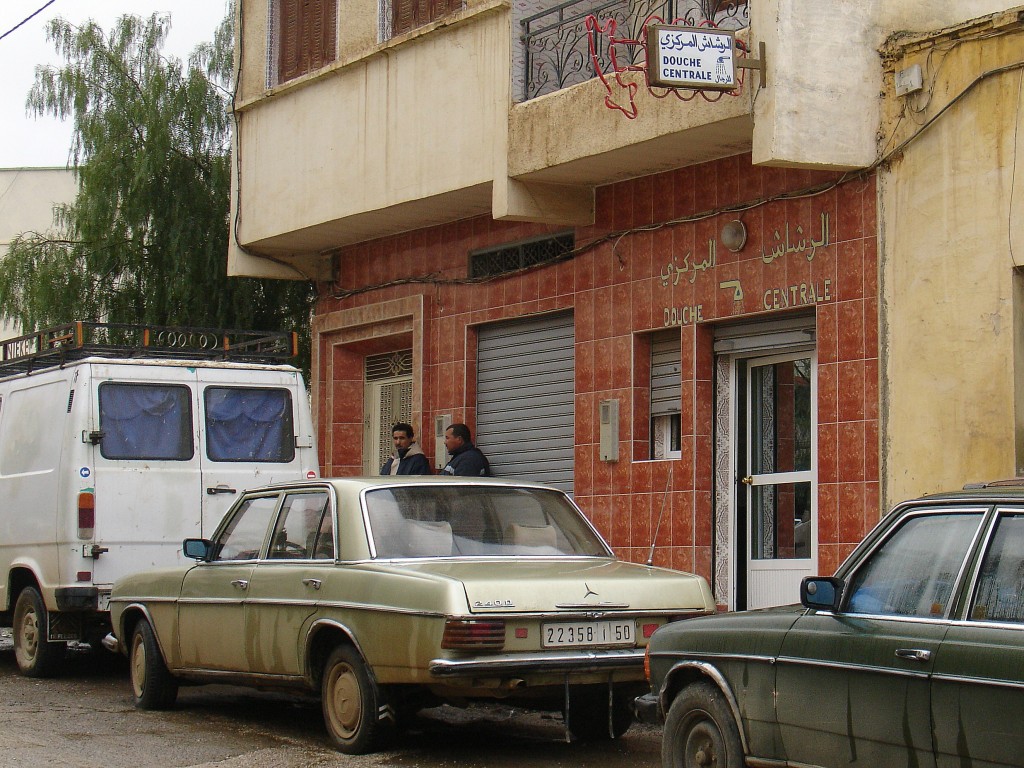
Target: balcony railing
[556, 51]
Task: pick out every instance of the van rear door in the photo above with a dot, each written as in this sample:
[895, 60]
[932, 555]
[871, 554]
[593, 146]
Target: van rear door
[146, 466]
[256, 430]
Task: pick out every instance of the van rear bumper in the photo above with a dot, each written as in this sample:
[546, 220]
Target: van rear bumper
[77, 598]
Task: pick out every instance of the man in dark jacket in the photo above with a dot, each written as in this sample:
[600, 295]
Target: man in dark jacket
[466, 459]
[408, 459]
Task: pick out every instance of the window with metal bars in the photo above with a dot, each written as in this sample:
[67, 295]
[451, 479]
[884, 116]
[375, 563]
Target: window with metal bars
[529, 253]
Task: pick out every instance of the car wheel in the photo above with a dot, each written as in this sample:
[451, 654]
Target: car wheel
[356, 714]
[700, 731]
[587, 714]
[153, 686]
[36, 656]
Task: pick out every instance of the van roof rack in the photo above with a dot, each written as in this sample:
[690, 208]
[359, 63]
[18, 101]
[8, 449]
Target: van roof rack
[52, 347]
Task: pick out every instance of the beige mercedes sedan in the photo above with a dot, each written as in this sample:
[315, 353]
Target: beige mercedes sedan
[388, 595]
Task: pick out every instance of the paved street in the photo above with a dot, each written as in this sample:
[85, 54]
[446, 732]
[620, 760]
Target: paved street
[86, 720]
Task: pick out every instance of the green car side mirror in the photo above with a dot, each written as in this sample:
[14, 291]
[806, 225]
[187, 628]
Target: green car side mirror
[822, 593]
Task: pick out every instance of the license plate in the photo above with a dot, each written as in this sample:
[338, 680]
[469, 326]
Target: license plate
[588, 633]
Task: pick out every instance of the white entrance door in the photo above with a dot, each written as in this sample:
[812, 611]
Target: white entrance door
[780, 499]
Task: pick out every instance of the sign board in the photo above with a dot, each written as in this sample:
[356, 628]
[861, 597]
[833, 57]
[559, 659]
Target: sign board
[699, 58]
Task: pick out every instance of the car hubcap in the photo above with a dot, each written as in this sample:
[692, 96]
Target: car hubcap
[345, 702]
[138, 667]
[701, 748]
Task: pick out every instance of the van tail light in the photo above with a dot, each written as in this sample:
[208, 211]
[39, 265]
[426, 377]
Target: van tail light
[86, 514]
[473, 635]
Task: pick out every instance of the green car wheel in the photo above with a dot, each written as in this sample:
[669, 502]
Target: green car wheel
[700, 731]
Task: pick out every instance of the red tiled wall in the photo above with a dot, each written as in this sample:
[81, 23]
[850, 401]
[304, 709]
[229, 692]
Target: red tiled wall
[616, 291]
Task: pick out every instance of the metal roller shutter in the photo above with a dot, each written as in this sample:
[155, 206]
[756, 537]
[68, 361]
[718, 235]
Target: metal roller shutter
[526, 383]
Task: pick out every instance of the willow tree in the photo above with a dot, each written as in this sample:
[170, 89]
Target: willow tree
[145, 240]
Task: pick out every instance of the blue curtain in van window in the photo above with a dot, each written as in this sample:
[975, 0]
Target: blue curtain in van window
[249, 424]
[142, 421]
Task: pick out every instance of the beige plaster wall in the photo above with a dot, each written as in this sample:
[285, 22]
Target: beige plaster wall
[422, 117]
[951, 224]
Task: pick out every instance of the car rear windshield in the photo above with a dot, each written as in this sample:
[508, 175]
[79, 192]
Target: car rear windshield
[455, 521]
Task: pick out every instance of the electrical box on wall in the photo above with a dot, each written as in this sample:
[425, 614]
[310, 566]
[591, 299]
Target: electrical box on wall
[441, 423]
[609, 430]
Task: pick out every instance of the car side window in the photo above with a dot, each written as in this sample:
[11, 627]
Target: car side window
[914, 570]
[999, 595]
[242, 538]
[301, 533]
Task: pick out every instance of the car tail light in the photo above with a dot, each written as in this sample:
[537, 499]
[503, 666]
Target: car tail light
[648, 629]
[647, 663]
[473, 635]
[86, 515]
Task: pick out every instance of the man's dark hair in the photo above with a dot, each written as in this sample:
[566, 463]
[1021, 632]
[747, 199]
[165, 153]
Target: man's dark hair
[461, 430]
[403, 427]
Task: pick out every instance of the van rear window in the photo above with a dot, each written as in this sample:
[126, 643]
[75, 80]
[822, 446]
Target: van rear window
[249, 424]
[146, 421]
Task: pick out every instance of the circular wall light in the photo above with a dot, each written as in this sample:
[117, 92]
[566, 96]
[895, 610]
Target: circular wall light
[734, 235]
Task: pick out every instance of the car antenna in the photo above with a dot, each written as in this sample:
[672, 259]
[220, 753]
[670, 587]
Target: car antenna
[664, 498]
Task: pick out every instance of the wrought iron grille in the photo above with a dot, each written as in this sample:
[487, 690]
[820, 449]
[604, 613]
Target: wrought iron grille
[555, 47]
[509, 258]
[388, 365]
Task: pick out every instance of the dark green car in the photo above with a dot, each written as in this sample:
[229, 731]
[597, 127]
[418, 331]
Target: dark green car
[912, 655]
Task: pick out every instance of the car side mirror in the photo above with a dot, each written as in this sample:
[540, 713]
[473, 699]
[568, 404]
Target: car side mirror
[197, 549]
[822, 593]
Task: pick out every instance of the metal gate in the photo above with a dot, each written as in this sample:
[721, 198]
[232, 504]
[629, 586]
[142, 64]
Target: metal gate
[526, 398]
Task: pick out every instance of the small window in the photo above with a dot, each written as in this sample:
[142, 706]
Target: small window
[666, 393]
[306, 33]
[304, 530]
[242, 538]
[406, 15]
[914, 571]
[151, 422]
[1000, 591]
[511, 258]
[249, 424]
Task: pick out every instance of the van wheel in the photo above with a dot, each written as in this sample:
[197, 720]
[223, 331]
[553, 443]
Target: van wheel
[356, 714]
[153, 686]
[35, 656]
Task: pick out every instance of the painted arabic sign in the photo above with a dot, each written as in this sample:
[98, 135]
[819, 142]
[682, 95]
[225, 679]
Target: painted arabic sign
[783, 242]
[691, 57]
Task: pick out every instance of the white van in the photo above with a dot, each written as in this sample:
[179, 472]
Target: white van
[111, 454]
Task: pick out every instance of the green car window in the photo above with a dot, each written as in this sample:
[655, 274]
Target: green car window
[913, 572]
[1000, 591]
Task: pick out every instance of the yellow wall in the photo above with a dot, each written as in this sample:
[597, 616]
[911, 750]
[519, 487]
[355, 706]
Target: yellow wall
[951, 220]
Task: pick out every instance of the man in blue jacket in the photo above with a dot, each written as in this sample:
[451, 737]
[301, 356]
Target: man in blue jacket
[466, 459]
[408, 458]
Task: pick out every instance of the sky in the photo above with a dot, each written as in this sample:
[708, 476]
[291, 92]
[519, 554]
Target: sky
[30, 142]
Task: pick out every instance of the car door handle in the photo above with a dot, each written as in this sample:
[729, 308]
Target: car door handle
[913, 654]
[240, 584]
[213, 490]
[314, 583]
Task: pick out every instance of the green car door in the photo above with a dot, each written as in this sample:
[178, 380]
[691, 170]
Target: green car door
[978, 680]
[853, 687]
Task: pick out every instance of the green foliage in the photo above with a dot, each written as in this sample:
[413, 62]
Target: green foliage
[146, 239]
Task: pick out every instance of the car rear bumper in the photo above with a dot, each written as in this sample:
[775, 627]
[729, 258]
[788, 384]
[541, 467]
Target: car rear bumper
[524, 663]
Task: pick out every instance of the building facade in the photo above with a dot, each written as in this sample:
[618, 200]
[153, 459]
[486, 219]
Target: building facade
[736, 327]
